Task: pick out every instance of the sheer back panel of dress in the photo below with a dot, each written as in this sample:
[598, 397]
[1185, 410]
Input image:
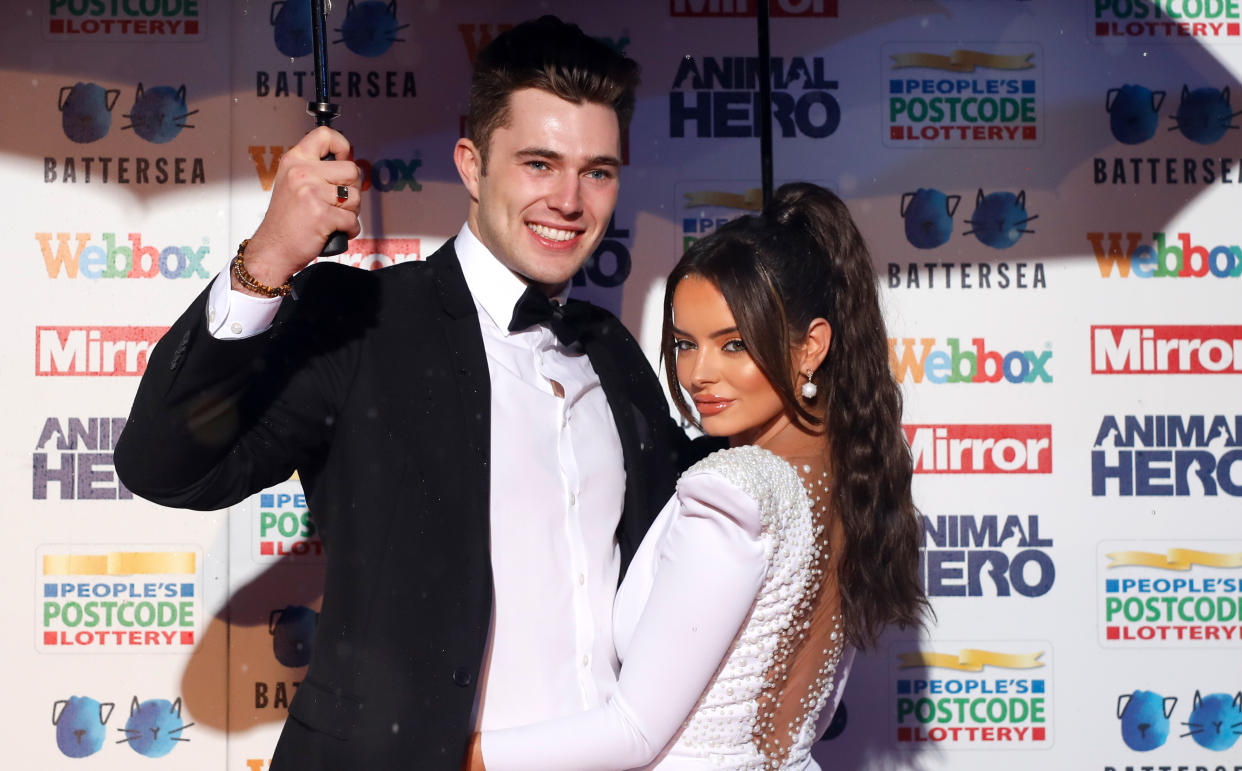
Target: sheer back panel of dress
[799, 681]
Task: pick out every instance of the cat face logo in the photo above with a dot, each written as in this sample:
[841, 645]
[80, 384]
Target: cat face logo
[1204, 114]
[158, 114]
[86, 111]
[79, 722]
[291, 23]
[1144, 719]
[1133, 113]
[1215, 720]
[293, 634]
[999, 219]
[370, 27]
[153, 726]
[928, 214]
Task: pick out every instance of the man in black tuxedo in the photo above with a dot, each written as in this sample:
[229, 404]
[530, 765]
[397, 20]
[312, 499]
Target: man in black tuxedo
[480, 474]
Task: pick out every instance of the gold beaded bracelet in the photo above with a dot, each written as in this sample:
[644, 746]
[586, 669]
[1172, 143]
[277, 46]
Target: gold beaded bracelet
[245, 279]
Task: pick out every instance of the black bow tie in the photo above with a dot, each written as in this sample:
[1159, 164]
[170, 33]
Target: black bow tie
[566, 321]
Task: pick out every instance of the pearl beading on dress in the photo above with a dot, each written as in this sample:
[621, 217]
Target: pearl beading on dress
[726, 722]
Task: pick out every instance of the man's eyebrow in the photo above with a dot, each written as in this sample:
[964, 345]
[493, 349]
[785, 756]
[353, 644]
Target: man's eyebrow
[553, 155]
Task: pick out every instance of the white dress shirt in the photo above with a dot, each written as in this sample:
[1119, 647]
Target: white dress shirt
[557, 487]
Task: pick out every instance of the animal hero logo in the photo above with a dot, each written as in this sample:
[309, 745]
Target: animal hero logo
[1167, 455]
[108, 260]
[718, 96]
[1165, 20]
[89, 600]
[952, 362]
[985, 555]
[958, 99]
[1128, 255]
[284, 529]
[973, 705]
[158, 115]
[123, 20]
[152, 730]
[1214, 722]
[980, 448]
[82, 467]
[387, 175]
[776, 8]
[94, 351]
[1185, 595]
[999, 219]
[1166, 349]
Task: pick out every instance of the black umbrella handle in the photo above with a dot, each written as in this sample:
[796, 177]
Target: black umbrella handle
[321, 109]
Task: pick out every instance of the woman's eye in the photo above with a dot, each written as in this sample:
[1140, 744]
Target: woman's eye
[683, 345]
[734, 346]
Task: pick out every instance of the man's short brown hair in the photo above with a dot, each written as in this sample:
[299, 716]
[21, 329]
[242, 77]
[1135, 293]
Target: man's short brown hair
[553, 56]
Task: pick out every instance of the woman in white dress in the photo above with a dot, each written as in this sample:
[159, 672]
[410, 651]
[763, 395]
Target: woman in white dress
[776, 558]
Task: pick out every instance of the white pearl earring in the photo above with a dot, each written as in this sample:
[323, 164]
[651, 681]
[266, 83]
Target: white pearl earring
[809, 389]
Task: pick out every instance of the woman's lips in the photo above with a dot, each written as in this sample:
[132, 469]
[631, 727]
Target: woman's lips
[711, 405]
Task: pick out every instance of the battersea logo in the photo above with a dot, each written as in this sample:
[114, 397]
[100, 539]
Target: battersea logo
[985, 556]
[974, 362]
[980, 448]
[157, 116]
[153, 729]
[975, 698]
[1171, 21]
[76, 455]
[78, 255]
[1128, 254]
[1203, 115]
[1167, 349]
[123, 20]
[94, 351]
[1213, 721]
[93, 601]
[370, 28]
[1185, 595]
[284, 528]
[776, 8]
[1167, 455]
[962, 97]
[718, 96]
[999, 218]
[386, 176]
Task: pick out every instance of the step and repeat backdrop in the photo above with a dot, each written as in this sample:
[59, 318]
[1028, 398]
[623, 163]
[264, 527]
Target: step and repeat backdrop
[1050, 191]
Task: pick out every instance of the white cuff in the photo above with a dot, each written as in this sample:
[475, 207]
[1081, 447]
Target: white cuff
[233, 315]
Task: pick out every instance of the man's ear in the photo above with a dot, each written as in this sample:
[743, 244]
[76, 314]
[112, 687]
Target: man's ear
[815, 345]
[469, 165]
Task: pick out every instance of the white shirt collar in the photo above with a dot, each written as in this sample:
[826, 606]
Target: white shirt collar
[495, 288]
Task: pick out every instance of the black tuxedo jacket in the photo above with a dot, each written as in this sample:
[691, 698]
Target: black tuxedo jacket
[374, 387]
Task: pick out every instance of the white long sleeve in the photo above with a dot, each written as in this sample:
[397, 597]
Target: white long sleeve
[233, 315]
[710, 566]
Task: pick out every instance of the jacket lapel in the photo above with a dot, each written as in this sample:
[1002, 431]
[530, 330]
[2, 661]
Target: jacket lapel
[616, 384]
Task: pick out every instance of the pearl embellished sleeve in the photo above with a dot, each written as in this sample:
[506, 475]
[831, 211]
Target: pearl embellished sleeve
[710, 566]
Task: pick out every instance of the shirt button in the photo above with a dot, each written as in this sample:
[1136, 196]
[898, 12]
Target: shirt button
[581, 579]
[573, 499]
[586, 661]
[236, 327]
[211, 316]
